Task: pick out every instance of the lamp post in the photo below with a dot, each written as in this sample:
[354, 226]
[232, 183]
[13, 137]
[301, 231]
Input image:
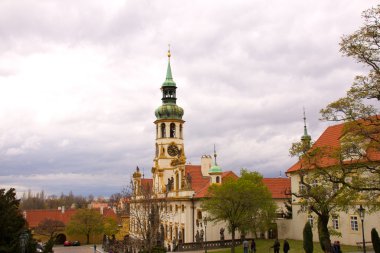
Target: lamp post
[361, 211]
[205, 223]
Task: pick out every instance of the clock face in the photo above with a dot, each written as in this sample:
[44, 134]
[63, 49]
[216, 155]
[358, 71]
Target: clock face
[173, 150]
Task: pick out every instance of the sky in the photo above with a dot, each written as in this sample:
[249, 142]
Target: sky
[80, 80]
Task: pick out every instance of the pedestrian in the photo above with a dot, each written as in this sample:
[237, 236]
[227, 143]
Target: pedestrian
[337, 247]
[253, 246]
[276, 246]
[245, 245]
[286, 246]
[94, 248]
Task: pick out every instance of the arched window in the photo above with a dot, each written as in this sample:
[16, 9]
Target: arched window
[180, 131]
[163, 130]
[218, 180]
[172, 130]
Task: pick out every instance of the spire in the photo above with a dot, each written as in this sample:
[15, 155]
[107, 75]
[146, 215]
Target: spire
[169, 76]
[304, 123]
[306, 138]
[215, 155]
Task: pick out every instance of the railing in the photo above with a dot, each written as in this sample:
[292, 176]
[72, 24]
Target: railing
[209, 245]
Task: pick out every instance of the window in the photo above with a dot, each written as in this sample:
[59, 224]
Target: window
[183, 208]
[354, 223]
[302, 187]
[335, 187]
[314, 183]
[172, 130]
[176, 208]
[180, 131]
[218, 180]
[310, 219]
[163, 130]
[335, 222]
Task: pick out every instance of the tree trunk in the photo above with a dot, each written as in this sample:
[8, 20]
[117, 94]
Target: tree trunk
[88, 238]
[233, 241]
[323, 233]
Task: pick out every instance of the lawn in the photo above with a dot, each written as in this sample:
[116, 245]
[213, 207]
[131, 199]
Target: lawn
[263, 246]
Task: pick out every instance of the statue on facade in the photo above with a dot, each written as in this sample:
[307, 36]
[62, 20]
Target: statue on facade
[188, 181]
[221, 234]
[197, 238]
[202, 234]
[169, 186]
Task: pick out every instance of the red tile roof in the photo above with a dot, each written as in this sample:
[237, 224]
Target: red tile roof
[199, 183]
[330, 139]
[34, 217]
[279, 187]
[146, 183]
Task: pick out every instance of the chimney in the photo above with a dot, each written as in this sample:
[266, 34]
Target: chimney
[63, 209]
[101, 210]
[206, 162]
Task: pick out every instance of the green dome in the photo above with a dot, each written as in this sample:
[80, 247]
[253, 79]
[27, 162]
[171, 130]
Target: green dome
[215, 169]
[169, 111]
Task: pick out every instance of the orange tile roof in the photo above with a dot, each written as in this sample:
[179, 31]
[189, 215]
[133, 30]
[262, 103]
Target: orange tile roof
[279, 187]
[146, 183]
[200, 183]
[34, 217]
[330, 139]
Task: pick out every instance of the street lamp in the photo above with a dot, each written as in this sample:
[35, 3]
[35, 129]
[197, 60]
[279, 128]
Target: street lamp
[361, 211]
[205, 223]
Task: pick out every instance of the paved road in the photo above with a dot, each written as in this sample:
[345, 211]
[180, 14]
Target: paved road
[76, 249]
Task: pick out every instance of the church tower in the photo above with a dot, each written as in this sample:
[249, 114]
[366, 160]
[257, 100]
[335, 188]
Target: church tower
[169, 160]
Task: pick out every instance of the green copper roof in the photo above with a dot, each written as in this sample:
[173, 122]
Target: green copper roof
[169, 111]
[169, 78]
[215, 169]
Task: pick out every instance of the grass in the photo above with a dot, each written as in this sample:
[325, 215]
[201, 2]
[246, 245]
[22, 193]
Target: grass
[263, 246]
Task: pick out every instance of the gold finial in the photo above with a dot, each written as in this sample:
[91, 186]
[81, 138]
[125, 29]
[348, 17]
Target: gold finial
[169, 54]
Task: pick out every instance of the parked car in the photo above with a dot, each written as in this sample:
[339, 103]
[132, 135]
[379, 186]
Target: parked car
[75, 243]
[67, 243]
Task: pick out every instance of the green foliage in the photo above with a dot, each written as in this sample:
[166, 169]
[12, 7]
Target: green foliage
[288, 213]
[86, 222]
[359, 110]
[12, 223]
[110, 226]
[375, 240]
[244, 203]
[308, 245]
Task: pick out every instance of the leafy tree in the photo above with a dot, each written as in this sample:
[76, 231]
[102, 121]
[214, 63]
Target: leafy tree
[288, 213]
[375, 240]
[244, 203]
[110, 226]
[146, 211]
[12, 223]
[86, 222]
[50, 228]
[317, 194]
[308, 238]
[359, 109]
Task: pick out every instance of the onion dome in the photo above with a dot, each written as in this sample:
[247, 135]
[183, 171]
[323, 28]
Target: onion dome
[169, 111]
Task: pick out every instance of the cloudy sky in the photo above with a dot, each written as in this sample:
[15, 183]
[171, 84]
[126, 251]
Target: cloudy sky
[80, 81]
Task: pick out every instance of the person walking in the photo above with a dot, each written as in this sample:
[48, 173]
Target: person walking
[245, 245]
[253, 246]
[276, 246]
[286, 246]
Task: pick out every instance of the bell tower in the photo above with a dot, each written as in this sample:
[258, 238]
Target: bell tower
[169, 160]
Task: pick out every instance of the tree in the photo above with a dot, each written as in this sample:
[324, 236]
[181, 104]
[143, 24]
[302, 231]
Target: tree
[317, 194]
[375, 240]
[50, 228]
[12, 224]
[147, 211]
[244, 204]
[86, 222]
[308, 238]
[359, 109]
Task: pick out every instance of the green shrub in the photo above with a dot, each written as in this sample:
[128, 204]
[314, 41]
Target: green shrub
[375, 240]
[308, 238]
